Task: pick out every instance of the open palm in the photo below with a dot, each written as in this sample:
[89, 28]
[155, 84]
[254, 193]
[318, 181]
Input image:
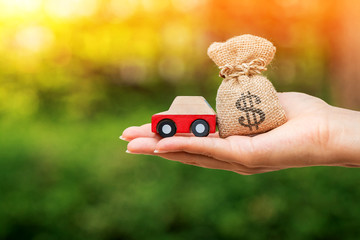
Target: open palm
[304, 140]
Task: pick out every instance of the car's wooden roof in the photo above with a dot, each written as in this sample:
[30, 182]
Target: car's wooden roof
[190, 105]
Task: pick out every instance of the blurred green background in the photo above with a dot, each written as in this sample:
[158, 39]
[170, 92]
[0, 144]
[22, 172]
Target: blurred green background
[75, 73]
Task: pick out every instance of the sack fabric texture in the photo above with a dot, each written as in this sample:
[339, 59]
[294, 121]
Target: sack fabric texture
[246, 101]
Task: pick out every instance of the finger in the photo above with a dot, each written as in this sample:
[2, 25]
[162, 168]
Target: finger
[136, 132]
[351, 165]
[211, 135]
[268, 150]
[214, 135]
[147, 146]
[256, 172]
[203, 146]
[206, 162]
[297, 104]
[197, 160]
[233, 149]
[287, 102]
[142, 145]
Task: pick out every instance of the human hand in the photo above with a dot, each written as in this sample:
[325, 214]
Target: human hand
[315, 134]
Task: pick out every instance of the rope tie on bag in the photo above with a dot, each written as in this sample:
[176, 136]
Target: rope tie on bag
[254, 67]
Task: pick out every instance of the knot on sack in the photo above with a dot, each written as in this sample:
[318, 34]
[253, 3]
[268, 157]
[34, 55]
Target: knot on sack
[254, 67]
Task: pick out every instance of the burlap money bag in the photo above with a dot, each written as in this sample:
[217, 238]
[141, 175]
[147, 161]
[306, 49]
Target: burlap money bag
[246, 101]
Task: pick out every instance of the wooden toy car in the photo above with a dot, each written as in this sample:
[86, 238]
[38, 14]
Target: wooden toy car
[186, 114]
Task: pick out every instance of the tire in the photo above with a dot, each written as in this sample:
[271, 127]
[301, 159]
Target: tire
[200, 128]
[166, 128]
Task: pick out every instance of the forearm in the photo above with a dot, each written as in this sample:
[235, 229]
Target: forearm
[345, 132]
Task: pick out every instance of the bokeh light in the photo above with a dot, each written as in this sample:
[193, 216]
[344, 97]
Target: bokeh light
[70, 8]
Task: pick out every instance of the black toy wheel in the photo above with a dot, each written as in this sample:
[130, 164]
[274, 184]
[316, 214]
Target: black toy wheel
[200, 128]
[166, 128]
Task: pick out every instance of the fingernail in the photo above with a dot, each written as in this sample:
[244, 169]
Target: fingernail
[122, 138]
[159, 151]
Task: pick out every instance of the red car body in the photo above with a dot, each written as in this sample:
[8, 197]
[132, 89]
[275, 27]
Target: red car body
[183, 122]
[183, 112]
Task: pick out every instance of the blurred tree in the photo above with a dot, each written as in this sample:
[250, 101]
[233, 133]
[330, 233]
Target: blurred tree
[346, 54]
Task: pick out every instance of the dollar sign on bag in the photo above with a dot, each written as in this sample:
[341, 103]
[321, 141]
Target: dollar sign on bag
[246, 104]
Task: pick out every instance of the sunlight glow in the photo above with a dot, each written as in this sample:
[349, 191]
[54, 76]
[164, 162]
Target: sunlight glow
[70, 8]
[154, 6]
[19, 7]
[187, 5]
[34, 38]
[176, 35]
[123, 8]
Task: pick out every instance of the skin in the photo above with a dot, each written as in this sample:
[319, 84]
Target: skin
[316, 134]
